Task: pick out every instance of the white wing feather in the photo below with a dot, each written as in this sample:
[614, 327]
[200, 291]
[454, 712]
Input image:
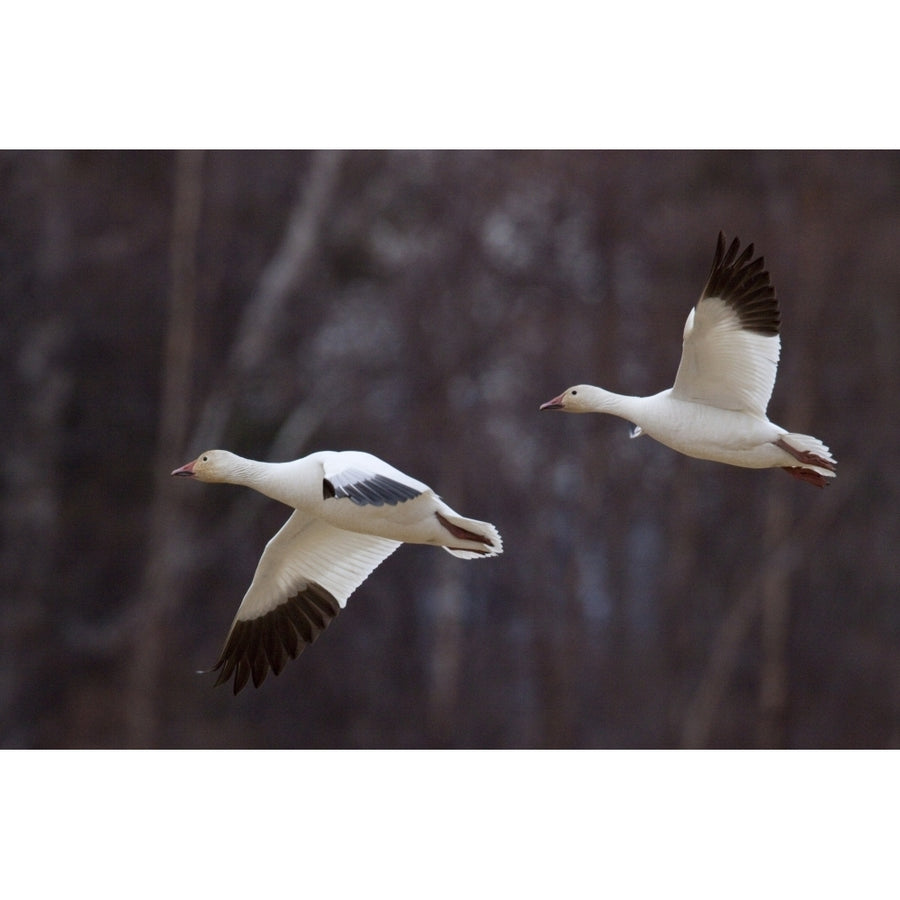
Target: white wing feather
[723, 364]
[309, 550]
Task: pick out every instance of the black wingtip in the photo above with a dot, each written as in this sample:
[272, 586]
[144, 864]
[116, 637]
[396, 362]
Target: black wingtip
[255, 647]
[743, 283]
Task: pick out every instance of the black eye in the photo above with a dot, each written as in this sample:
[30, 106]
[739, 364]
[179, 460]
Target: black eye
[574, 393]
[205, 458]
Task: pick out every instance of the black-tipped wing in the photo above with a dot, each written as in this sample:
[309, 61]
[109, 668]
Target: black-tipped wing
[303, 579]
[368, 488]
[729, 356]
[267, 642]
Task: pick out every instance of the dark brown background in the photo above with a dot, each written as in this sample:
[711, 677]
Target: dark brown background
[421, 305]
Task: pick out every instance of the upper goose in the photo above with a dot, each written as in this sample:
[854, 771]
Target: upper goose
[717, 407]
[351, 511]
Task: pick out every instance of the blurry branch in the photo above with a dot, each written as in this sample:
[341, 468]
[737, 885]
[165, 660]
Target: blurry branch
[286, 269]
[257, 333]
[258, 329]
[701, 711]
[161, 585]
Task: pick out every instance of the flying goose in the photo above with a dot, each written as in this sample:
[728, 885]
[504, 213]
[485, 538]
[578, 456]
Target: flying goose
[351, 512]
[716, 409]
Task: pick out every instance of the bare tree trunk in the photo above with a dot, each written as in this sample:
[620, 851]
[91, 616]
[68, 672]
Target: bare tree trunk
[161, 587]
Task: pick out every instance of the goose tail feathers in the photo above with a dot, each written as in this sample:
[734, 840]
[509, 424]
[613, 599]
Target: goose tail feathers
[471, 539]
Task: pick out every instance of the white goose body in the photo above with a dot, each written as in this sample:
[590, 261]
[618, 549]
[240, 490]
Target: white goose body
[716, 410]
[351, 511]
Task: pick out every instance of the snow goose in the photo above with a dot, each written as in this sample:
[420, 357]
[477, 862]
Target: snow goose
[716, 409]
[351, 512]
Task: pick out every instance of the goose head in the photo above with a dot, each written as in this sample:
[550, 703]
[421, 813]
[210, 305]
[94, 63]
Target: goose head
[212, 466]
[575, 399]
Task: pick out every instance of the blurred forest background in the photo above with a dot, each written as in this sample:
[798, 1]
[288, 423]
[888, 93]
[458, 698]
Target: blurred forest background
[421, 305]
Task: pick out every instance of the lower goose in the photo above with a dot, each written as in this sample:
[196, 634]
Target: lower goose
[716, 409]
[351, 512]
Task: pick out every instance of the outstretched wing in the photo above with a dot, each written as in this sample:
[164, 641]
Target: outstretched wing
[731, 347]
[303, 579]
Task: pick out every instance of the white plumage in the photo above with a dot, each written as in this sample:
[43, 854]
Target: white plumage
[351, 511]
[716, 409]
